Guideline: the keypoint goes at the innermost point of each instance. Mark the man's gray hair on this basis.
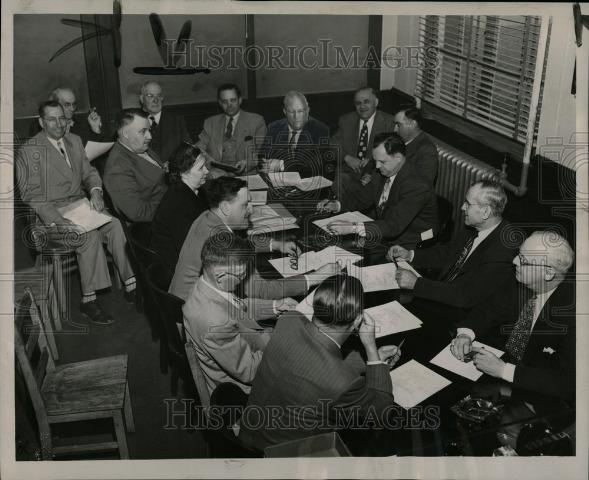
(292, 95)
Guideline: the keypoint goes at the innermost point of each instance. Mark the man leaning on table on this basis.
(403, 203)
(532, 319)
(474, 263)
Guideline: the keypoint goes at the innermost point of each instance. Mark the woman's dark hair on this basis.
(338, 300)
(182, 160)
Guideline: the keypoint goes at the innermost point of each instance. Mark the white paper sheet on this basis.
(95, 149)
(392, 318)
(255, 182)
(343, 217)
(306, 306)
(83, 215)
(284, 179)
(277, 227)
(446, 360)
(313, 260)
(313, 183)
(259, 197)
(413, 383)
(376, 277)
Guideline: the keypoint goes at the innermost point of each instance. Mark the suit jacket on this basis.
(229, 343)
(169, 134)
(348, 133)
(303, 371)
(423, 154)
(548, 364)
(46, 182)
(174, 216)
(135, 185)
(410, 209)
(487, 268)
(313, 154)
(249, 126)
(260, 292)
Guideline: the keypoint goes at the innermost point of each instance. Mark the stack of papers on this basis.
(255, 182)
(313, 260)
(446, 360)
(353, 217)
(96, 149)
(293, 179)
(81, 213)
(271, 218)
(259, 197)
(413, 383)
(313, 183)
(392, 318)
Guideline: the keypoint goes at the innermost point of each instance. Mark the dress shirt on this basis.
(360, 228)
(156, 117)
(229, 296)
(509, 368)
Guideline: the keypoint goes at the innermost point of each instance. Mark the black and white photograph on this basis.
(251, 239)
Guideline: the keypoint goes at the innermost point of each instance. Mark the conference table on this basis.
(489, 423)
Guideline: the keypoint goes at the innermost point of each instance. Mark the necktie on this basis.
(292, 144)
(63, 154)
(520, 335)
(153, 126)
(363, 142)
(384, 196)
(229, 129)
(455, 270)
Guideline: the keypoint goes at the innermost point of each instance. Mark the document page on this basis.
(392, 318)
(354, 217)
(284, 179)
(96, 149)
(255, 182)
(81, 213)
(446, 360)
(313, 260)
(413, 383)
(313, 183)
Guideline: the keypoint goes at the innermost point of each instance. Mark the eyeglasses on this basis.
(55, 119)
(239, 276)
(468, 204)
(524, 263)
(296, 112)
(151, 96)
(73, 105)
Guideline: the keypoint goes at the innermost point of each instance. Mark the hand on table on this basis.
(270, 165)
(285, 304)
(390, 354)
(342, 227)
(461, 346)
(405, 278)
(240, 166)
(327, 206)
(288, 247)
(326, 271)
(488, 362)
(398, 252)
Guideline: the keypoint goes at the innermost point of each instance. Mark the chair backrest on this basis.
(198, 376)
(33, 356)
(138, 237)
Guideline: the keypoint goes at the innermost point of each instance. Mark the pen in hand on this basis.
(390, 360)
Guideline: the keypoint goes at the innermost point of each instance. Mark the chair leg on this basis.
(54, 305)
(44, 320)
(120, 434)
(129, 421)
(59, 286)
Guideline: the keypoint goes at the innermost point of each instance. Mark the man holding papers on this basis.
(532, 319)
(403, 203)
(305, 386)
(54, 172)
(473, 264)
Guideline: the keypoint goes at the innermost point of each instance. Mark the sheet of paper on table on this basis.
(313, 260)
(413, 383)
(354, 217)
(313, 183)
(392, 318)
(271, 218)
(446, 360)
(96, 149)
(255, 182)
(376, 277)
(81, 213)
(284, 179)
(306, 305)
(259, 197)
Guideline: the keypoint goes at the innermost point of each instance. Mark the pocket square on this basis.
(549, 350)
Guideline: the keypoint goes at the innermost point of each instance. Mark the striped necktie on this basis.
(229, 129)
(384, 196)
(520, 335)
(455, 270)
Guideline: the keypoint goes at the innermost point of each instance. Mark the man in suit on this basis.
(421, 152)
(234, 136)
(404, 204)
(298, 143)
(473, 264)
(355, 136)
(531, 319)
(134, 175)
(54, 172)
(228, 341)
(167, 129)
(229, 211)
(304, 385)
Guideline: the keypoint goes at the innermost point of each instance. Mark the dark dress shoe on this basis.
(95, 314)
(130, 297)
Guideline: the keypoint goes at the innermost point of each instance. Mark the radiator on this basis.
(457, 171)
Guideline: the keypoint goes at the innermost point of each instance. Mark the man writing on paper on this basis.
(305, 386)
(230, 210)
(473, 264)
(533, 319)
(402, 202)
(234, 136)
(54, 172)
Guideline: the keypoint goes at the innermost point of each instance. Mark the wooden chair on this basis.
(198, 377)
(72, 392)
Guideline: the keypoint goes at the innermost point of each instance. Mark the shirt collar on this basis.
(329, 336)
(226, 295)
(235, 118)
(157, 116)
(482, 234)
(369, 122)
(54, 142)
(189, 187)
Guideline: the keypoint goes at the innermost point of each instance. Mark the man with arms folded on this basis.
(473, 264)
(234, 136)
(531, 319)
(402, 202)
(134, 175)
(228, 341)
(229, 210)
(303, 368)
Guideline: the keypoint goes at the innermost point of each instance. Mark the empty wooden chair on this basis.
(72, 392)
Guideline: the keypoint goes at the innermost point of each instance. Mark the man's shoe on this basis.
(130, 297)
(95, 314)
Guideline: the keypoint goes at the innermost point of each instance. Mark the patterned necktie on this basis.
(520, 335)
(229, 129)
(63, 154)
(455, 270)
(292, 144)
(363, 142)
(153, 127)
(384, 196)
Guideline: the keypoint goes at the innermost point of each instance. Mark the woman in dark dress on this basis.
(181, 204)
